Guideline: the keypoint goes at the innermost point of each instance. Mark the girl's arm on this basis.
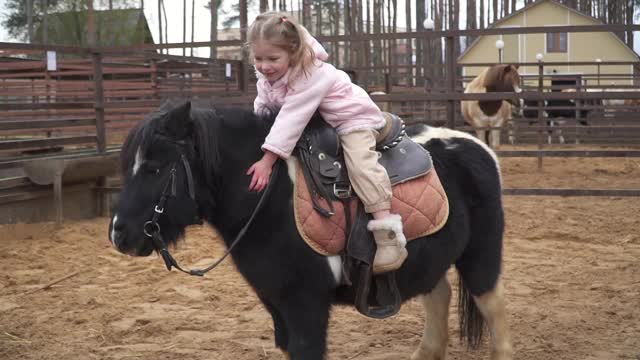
(300, 104)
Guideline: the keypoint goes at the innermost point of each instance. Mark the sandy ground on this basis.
(572, 278)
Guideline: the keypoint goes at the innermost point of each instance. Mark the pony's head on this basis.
(503, 78)
(165, 166)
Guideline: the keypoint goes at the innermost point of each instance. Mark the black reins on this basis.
(151, 228)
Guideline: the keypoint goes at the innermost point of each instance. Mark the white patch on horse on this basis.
(292, 164)
(138, 162)
(113, 232)
(335, 263)
(444, 134)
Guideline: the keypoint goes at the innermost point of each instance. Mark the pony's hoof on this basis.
(422, 354)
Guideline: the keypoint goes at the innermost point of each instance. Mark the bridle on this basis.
(151, 228)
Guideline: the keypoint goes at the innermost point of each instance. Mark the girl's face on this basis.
(271, 61)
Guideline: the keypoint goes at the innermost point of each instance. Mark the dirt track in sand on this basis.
(572, 278)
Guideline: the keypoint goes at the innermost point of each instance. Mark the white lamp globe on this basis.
(539, 56)
(499, 44)
(428, 24)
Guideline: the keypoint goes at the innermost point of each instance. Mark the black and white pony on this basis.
(197, 159)
(556, 113)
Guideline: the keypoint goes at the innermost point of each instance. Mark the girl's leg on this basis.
(371, 183)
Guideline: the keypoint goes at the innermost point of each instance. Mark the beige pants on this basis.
(368, 178)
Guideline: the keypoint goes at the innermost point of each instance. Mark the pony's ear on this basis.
(179, 123)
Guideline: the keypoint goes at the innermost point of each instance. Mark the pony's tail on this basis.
(470, 319)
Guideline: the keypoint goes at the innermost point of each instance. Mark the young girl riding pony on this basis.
(293, 75)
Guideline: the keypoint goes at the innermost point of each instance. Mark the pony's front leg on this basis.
(482, 135)
(306, 319)
(279, 327)
(494, 138)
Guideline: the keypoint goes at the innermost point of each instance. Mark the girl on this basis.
(292, 75)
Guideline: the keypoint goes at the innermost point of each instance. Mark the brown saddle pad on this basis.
(421, 202)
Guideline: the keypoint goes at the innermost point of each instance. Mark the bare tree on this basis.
(91, 24)
(471, 19)
(160, 24)
(29, 9)
(45, 27)
(193, 17)
(408, 43)
(306, 13)
(495, 11)
(213, 34)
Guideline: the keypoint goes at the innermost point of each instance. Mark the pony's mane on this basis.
(207, 125)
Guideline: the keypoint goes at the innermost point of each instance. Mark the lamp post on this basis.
(428, 25)
(499, 46)
(540, 57)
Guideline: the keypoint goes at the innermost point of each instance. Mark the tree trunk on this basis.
(213, 33)
(306, 13)
(438, 50)
(29, 9)
(111, 34)
(318, 21)
(193, 16)
(377, 30)
(408, 46)
(471, 20)
(495, 11)
(166, 34)
(91, 25)
(629, 21)
(160, 24)
(482, 11)
(45, 26)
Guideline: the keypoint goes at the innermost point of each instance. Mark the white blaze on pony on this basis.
(138, 162)
(491, 114)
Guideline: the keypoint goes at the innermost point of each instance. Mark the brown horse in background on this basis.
(491, 114)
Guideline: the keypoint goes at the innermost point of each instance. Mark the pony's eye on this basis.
(151, 168)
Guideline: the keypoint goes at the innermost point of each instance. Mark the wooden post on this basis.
(244, 76)
(57, 194)
(99, 102)
(451, 81)
(154, 78)
(387, 83)
(540, 108)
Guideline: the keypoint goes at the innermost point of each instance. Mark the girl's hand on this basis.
(261, 171)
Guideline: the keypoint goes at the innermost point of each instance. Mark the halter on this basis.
(151, 228)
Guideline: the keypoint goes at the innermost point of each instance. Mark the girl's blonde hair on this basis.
(284, 32)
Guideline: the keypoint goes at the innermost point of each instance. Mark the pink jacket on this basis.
(344, 105)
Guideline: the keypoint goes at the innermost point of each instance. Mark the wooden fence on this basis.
(86, 105)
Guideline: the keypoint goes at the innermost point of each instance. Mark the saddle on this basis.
(325, 174)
